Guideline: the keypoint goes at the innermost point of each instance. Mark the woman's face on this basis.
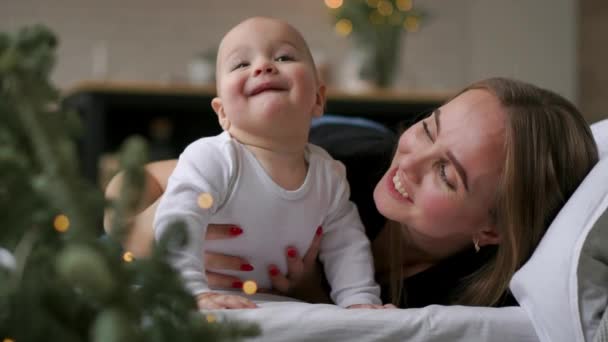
(444, 176)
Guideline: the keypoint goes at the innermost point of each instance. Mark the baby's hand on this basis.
(214, 300)
(365, 306)
(371, 306)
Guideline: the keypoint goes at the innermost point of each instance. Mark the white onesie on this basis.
(272, 218)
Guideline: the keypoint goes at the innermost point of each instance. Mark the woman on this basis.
(469, 193)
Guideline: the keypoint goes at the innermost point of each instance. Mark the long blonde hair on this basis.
(549, 151)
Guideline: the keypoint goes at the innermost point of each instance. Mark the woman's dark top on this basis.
(366, 149)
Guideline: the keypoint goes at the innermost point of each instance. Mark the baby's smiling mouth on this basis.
(267, 86)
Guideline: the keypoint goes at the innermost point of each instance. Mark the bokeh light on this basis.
(205, 200)
(6, 339)
(385, 8)
(333, 4)
(405, 5)
(344, 27)
(211, 318)
(61, 223)
(411, 24)
(250, 287)
(128, 257)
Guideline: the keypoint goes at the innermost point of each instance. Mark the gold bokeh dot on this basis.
(411, 24)
(205, 200)
(385, 8)
(344, 27)
(211, 318)
(128, 257)
(404, 5)
(61, 223)
(333, 4)
(6, 339)
(250, 287)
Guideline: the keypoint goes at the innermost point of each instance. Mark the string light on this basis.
(250, 287)
(128, 257)
(205, 200)
(333, 4)
(344, 27)
(411, 24)
(404, 5)
(61, 223)
(385, 8)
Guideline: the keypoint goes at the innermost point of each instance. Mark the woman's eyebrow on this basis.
(459, 169)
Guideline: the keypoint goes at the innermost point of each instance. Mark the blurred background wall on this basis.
(462, 41)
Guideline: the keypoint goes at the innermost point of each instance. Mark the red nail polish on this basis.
(274, 271)
(246, 267)
(291, 252)
(237, 284)
(319, 230)
(235, 231)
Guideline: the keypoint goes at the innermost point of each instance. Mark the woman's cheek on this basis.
(436, 207)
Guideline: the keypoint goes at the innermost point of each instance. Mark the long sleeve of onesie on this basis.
(204, 169)
(345, 250)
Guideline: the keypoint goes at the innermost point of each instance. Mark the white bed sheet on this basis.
(296, 321)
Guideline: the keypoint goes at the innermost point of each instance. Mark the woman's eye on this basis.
(284, 58)
(444, 176)
(240, 65)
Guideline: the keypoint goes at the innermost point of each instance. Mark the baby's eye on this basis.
(240, 65)
(284, 58)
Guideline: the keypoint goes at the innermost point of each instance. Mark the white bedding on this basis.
(296, 321)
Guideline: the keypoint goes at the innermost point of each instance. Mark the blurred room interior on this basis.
(153, 60)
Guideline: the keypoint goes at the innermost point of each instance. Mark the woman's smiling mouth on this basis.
(396, 187)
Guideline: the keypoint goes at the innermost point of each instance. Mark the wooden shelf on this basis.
(135, 87)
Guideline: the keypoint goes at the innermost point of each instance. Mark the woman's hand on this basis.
(224, 262)
(304, 279)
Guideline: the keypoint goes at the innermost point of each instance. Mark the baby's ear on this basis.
(319, 107)
(216, 103)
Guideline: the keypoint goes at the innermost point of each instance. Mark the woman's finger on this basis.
(295, 266)
(226, 262)
(313, 251)
(278, 280)
(222, 231)
(223, 281)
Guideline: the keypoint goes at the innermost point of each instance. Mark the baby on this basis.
(262, 173)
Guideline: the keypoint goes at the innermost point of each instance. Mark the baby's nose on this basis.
(265, 68)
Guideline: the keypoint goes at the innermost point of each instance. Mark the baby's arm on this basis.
(346, 253)
(198, 185)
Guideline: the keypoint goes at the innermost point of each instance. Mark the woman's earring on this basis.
(476, 243)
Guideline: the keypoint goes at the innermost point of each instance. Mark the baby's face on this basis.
(266, 81)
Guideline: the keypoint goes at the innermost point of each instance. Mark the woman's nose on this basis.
(416, 164)
(265, 68)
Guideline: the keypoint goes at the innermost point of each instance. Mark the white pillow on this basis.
(547, 286)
